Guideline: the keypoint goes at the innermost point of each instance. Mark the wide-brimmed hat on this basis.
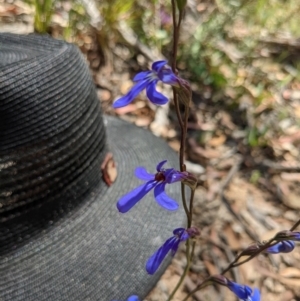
(61, 235)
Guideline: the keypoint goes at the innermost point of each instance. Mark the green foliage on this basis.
(114, 11)
(43, 13)
(255, 176)
(77, 19)
(228, 52)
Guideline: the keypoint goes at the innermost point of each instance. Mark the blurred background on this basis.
(242, 58)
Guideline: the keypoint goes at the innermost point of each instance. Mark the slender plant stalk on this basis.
(187, 267)
(191, 207)
(295, 226)
(183, 128)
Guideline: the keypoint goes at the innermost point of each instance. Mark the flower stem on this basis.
(187, 267)
(183, 128)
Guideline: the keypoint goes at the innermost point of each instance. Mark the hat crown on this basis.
(52, 136)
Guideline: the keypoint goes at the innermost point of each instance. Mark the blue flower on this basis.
(281, 247)
(148, 80)
(158, 181)
(133, 298)
(244, 292)
(171, 244)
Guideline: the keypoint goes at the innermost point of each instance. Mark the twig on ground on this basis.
(281, 167)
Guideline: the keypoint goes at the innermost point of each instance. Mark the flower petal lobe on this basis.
(157, 258)
(163, 199)
(142, 174)
(131, 95)
(130, 199)
(155, 96)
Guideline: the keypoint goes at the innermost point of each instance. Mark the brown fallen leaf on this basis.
(128, 109)
(290, 272)
(290, 176)
(288, 197)
(217, 141)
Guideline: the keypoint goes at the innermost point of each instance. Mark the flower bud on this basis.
(219, 279)
(252, 249)
(190, 180)
(193, 232)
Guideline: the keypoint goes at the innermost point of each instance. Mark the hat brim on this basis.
(95, 252)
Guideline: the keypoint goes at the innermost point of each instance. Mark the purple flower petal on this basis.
(242, 291)
(167, 76)
(281, 247)
(156, 66)
(141, 75)
(295, 236)
(157, 258)
(160, 165)
(142, 174)
(182, 234)
(163, 199)
(178, 231)
(255, 295)
(155, 96)
(168, 174)
(130, 199)
(175, 176)
(131, 95)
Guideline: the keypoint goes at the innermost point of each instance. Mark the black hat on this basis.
(61, 235)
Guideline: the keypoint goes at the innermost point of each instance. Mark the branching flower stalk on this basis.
(254, 250)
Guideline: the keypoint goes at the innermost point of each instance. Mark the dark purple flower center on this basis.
(160, 177)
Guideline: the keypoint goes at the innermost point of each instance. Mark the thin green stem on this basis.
(205, 283)
(188, 214)
(187, 267)
(235, 263)
(191, 207)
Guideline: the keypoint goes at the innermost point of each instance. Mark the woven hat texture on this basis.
(61, 235)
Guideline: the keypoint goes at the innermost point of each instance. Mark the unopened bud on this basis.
(190, 180)
(220, 279)
(193, 232)
(252, 249)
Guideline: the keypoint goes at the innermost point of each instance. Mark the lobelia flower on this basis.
(244, 292)
(158, 181)
(171, 244)
(285, 246)
(148, 80)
